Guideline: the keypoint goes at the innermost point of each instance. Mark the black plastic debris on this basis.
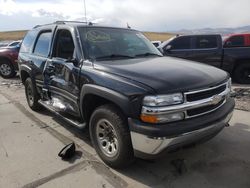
(179, 165)
(67, 151)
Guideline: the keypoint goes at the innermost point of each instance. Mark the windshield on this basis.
(109, 43)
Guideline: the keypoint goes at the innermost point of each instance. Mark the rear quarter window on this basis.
(206, 42)
(28, 41)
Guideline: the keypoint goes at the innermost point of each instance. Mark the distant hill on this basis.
(12, 35)
(222, 31)
(16, 35)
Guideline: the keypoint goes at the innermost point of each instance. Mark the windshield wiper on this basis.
(147, 54)
(111, 56)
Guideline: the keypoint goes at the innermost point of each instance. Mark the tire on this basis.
(242, 74)
(107, 122)
(32, 95)
(7, 70)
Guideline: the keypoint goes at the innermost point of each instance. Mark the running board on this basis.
(70, 121)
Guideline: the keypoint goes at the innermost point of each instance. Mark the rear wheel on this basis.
(111, 137)
(7, 70)
(242, 74)
(32, 95)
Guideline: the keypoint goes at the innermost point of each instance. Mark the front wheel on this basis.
(242, 74)
(111, 137)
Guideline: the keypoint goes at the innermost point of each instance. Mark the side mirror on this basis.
(228, 44)
(168, 48)
(72, 60)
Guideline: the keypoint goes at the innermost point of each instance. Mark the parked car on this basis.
(8, 64)
(4, 43)
(208, 49)
(116, 84)
(156, 43)
(15, 44)
(237, 40)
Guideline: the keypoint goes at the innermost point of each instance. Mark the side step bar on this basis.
(70, 121)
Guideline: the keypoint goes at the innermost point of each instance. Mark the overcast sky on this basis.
(146, 15)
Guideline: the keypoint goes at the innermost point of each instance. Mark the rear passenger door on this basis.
(208, 49)
(179, 47)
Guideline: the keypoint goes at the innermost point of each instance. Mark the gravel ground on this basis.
(242, 98)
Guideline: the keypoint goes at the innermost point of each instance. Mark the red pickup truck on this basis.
(237, 40)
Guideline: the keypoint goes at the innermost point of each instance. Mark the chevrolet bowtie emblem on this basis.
(216, 99)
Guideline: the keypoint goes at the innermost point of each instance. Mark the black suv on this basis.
(113, 81)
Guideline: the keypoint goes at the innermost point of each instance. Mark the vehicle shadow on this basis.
(223, 161)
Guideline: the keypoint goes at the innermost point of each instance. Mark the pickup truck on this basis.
(233, 58)
(116, 84)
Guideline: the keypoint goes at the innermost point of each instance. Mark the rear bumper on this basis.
(148, 145)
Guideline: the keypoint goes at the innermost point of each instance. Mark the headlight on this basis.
(229, 84)
(163, 100)
(153, 102)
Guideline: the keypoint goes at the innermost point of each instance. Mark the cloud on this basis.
(160, 15)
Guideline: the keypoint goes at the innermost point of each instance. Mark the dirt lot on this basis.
(30, 141)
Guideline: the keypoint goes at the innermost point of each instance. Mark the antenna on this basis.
(128, 26)
(85, 11)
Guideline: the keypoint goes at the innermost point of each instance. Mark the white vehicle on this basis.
(156, 43)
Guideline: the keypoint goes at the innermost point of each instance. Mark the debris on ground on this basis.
(242, 98)
(68, 151)
(179, 165)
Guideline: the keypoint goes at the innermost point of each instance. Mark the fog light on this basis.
(162, 118)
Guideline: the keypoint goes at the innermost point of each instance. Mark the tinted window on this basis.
(206, 42)
(235, 41)
(181, 43)
(42, 44)
(28, 41)
(64, 46)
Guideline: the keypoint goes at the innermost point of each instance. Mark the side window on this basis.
(181, 43)
(206, 42)
(28, 41)
(235, 41)
(43, 44)
(64, 46)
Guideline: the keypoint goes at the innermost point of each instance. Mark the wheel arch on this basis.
(5, 58)
(93, 96)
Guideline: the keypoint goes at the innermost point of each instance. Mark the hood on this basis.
(165, 74)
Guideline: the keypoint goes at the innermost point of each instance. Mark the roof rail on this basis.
(64, 22)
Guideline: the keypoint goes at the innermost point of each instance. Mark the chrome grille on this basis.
(216, 94)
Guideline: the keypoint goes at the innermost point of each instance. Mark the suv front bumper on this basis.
(150, 141)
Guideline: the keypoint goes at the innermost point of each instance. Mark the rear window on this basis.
(235, 41)
(206, 42)
(28, 41)
(181, 43)
(43, 44)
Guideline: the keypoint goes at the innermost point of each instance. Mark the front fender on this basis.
(120, 100)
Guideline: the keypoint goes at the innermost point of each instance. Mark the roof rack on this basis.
(64, 22)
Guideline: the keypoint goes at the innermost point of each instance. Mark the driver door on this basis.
(62, 74)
